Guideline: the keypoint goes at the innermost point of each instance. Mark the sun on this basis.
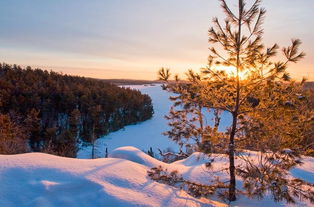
(232, 71)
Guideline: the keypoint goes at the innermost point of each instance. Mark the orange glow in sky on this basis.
(133, 39)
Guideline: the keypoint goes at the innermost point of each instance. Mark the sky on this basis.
(134, 38)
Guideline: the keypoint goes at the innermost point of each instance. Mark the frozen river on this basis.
(146, 134)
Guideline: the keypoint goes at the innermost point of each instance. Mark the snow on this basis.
(38, 179)
(135, 155)
(306, 170)
(196, 158)
(146, 134)
(142, 135)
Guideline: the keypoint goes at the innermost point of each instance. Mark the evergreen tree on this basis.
(96, 117)
(50, 137)
(258, 88)
(12, 137)
(64, 102)
(150, 152)
(74, 123)
(187, 120)
(32, 123)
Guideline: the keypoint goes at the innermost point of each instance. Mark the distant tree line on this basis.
(131, 82)
(51, 112)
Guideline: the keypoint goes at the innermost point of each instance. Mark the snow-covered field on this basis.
(146, 134)
(37, 179)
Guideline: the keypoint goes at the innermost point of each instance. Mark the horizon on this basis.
(133, 40)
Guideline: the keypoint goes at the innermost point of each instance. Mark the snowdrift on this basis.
(135, 155)
(37, 179)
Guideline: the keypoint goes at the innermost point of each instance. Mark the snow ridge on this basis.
(38, 179)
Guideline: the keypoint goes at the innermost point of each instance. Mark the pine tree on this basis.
(257, 87)
(32, 123)
(150, 152)
(13, 139)
(106, 153)
(74, 123)
(187, 119)
(25, 92)
(96, 125)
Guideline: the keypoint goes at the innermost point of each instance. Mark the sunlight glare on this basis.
(231, 71)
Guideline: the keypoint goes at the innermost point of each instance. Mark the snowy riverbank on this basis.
(146, 134)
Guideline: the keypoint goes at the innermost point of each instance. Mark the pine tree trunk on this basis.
(232, 185)
(93, 150)
(93, 143)
(200, 119)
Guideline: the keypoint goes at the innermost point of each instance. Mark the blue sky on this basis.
(134, 38)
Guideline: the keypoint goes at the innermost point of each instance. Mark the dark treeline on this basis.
(52, 111)
(130, 81)
(309, 85)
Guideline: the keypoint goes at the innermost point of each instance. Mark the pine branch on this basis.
(228, 12)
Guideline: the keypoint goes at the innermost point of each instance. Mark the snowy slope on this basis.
(38, 179)
(146, 134)
(193, 169)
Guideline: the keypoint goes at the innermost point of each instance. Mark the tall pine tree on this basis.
(243, 78)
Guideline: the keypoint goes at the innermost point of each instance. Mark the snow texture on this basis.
(37, 179)
(146, 134)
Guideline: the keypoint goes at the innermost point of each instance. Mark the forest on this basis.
(51, 112)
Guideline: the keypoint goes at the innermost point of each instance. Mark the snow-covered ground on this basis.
(37, 179)
(146, 134)
(43, 180)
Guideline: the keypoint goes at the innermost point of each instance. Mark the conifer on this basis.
(244, 79)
